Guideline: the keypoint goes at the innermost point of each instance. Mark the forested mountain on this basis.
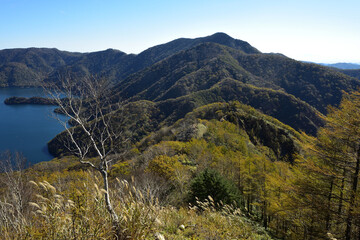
(217, 68)
(180, 67)
(203, 66)
(352, 73)
(116, 65)
(157, 53)
(202, 138)
(141, 118)
(184, 74)
(25, 67)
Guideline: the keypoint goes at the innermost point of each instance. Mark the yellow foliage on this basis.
(120, 169)
(164, 166)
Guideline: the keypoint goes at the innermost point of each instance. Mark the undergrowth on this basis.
(73, 209)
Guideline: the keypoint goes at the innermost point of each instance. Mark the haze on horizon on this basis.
(317, 31)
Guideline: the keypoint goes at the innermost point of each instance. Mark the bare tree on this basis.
(14, 200)
(86, 103)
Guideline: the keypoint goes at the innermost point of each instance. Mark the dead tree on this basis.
(85, 102)
(14, 200)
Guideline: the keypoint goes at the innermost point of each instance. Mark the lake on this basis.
(27, 128)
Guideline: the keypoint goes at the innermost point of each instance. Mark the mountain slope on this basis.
(282, 106)
(319, 86)
(141, 118)
(144, 118)
(352, 73)
(160, 52)
(194, 72)
(121, 65)
(203, 66)
(24, 67)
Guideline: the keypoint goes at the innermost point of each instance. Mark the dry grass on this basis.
(78, 212)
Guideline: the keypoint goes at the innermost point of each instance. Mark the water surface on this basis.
(27, 128)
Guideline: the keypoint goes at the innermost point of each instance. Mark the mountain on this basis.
(24, 67)
(342, 65)
(146, 123)
(160, 52)
(188, 73)
(140, 118)
(278, 104)
(351, 72)
(214, 57)
(178, 110)
(204, 65)
(260, 129)
(282, 106)
(116, 65)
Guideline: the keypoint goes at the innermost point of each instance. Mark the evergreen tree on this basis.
(211, 183)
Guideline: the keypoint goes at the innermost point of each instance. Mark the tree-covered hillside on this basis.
(204, 138)
(203, 66)
(244, 174)
(26, 67)
(352, 73)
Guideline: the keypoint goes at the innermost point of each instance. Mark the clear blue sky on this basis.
(313, 30)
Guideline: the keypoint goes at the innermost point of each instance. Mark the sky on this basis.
(307, 30)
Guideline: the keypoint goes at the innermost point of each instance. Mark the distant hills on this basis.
(342, 65)
(181, 75)
(352, 73)
(350, 69)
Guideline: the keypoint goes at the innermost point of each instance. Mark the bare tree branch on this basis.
(85, 102)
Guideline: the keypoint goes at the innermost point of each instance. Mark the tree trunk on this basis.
(109, 207)
(328, 214)
(352, 197)
(265, 217)
(341, 193)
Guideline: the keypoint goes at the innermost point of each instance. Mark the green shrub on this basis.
(211, 183)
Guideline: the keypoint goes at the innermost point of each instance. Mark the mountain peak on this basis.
(221, 35)
(224, 39)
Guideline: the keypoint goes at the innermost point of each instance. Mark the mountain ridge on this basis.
(110, 63)
(193, 67)
(206, 64)
(342, 65)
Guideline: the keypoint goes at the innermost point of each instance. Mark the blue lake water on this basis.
(27, 128)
